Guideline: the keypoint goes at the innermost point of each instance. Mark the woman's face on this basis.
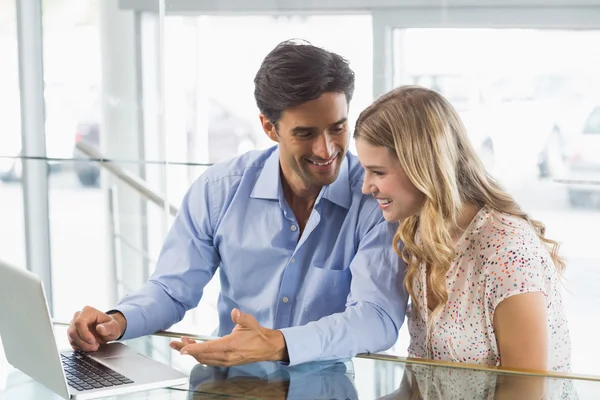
(386, 180)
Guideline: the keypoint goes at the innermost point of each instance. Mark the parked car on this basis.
(584, 163)
(228, 135)
(565, 127)
(566, 99)
(521, 118)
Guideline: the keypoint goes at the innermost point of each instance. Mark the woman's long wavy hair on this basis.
(427, 136)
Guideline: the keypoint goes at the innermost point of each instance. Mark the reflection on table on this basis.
(364, 377)
(437, 382)
(334, 380)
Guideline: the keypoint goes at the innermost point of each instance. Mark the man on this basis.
(306, 263)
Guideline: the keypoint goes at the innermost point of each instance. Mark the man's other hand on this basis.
(249, 342)
(90, 328)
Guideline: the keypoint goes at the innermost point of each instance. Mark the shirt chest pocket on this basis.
(326, 291)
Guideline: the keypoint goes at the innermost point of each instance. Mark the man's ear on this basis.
(269, 128)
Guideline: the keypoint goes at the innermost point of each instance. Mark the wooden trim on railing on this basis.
(478, 367)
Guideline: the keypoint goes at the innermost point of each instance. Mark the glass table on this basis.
(382, 376)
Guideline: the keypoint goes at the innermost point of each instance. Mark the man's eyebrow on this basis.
(341, 121)
(302, 129)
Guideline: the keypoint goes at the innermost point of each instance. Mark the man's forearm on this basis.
(149, 310)
(361, 328)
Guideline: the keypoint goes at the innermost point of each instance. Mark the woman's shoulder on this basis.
(497, 232)
(512, 257)
(506, 244)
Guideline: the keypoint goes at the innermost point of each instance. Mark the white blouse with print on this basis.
(498, 256)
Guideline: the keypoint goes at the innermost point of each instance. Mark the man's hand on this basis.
(244, 387)
(249, 342)
(90, 328)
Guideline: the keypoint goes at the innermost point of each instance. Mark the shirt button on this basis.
(285, 299)
(293, 260)
(293, 228)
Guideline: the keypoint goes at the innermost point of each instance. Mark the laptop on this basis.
(30, 346)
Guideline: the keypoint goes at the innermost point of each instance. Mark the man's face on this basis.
(313, 140)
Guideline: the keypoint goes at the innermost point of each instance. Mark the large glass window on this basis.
(137, 107)
(12, 227)
(78, 208)
(529, 100)
(210, 63)
(592, 124)
(211, 114)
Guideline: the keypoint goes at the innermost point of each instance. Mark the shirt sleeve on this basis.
(520, 265)
(187, 262)
(374, 312)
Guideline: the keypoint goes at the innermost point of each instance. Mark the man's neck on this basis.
(299, 197)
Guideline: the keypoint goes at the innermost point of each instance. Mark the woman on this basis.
(482, 277)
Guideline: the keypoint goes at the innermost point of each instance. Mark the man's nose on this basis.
(324, 147)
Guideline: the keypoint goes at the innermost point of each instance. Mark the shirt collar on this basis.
(268, 185)
(339, 191)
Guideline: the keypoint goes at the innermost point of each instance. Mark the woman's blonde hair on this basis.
(425, 133)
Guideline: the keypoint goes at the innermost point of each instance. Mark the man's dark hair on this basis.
(296, 72)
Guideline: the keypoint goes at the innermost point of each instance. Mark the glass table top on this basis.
(371, 377)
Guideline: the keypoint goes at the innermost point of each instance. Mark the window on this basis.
(592, 125)
(525, 111)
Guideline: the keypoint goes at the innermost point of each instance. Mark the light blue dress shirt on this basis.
(334, 292)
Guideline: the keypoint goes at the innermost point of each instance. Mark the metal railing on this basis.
(140, 187)
(130, 179)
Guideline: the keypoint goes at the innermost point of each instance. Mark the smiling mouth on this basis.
(384, 201)
(323, 164)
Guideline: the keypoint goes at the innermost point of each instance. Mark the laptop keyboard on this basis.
(83, 373)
